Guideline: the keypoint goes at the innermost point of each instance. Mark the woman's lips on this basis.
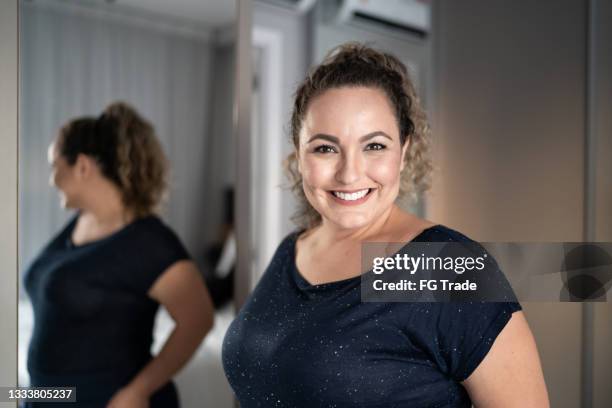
(355, 197)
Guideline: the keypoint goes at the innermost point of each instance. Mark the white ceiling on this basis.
(213, 13)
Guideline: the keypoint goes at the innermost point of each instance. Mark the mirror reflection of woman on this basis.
(96, 287)
(304, 338)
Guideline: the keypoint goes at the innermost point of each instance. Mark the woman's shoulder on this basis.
(408, 227)
(284, 255)
(286, 248)
(443, 233)
(152, 223)
(154, 231)
(457, 242)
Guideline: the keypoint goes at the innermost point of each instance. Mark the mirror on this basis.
(174, 63)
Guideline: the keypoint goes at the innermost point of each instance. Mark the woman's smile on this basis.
(351, 197)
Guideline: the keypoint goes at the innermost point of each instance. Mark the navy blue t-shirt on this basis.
(299, 345)
(93, 319)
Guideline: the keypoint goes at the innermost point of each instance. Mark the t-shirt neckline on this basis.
(71, 245)
(305, 285)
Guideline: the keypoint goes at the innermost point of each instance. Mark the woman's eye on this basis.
(325, 149)
(375, 146)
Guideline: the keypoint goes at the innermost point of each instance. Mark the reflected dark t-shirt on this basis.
(299, 345)
(93, 320)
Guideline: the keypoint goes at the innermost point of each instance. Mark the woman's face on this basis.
(350, 156)
(63, 177)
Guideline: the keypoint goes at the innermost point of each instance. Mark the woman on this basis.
(304, 338)
(96, 287)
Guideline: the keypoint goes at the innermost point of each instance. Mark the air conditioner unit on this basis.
(299, 6)
(411, 16)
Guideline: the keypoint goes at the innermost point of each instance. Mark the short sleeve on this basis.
(157, 248)
(466, 331)
(465, 328)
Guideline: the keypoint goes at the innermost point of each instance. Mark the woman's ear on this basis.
(404, 153)
(83, 166)
(297, 159)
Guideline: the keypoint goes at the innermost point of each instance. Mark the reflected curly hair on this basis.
(355, 65)
(127, 151)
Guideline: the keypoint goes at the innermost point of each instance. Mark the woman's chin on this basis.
(351, 221)
(66, 203)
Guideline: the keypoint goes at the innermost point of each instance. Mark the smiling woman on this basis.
(350, 178)
(397, 121)
(304, 334)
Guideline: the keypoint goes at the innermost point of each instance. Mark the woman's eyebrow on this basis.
(323, 136)
(373, 135)
(335, 140)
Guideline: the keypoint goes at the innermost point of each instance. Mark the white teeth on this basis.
(352, 196)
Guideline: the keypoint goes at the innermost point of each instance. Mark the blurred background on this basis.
(518, 94)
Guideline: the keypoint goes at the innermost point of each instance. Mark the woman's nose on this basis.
(349, 170)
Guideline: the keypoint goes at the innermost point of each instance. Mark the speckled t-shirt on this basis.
(299, 345)
(93, 318)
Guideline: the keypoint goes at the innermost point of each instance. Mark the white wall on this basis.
(8, 186)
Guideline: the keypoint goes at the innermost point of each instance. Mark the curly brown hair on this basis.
(351, 65)
(127, 151)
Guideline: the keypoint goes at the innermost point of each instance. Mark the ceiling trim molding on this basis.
(127, 15)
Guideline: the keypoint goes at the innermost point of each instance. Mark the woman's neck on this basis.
(330, 232)
(105, 207)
